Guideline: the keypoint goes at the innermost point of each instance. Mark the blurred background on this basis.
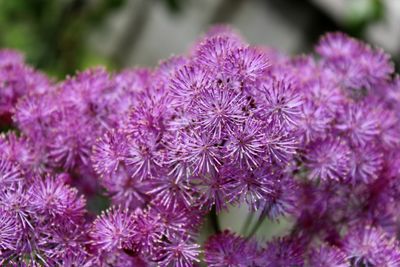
(63, 36)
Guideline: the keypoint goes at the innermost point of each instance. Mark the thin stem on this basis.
(247, 223)
(259, 222)
(214, 220)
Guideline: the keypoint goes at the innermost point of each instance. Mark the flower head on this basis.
(202, 152)
(328, 159)
(280, 103)
(55, 200)
(283, 252)
(10, 175)
(246, 145)
(188, 84)
(326, 256)
(369, 245)
(246, 64)
(112, 230)
(10, 231)
(178, 251)
(228, 249)
(109, 152)
(359, 123)
(213, 51)
(171, 192)
(9, 56)
(219, 112)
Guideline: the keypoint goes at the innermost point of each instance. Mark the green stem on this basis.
(214, 220)
(260, 221)
(247, 223)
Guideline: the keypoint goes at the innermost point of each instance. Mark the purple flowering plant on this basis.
(312, 140)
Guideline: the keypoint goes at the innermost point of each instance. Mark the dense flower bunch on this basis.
(313, 139)
(16, 80)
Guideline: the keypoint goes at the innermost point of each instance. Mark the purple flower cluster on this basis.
(40, 219)
(311, 138)
(16, 80)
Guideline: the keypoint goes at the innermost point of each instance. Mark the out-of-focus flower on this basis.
(283, 252)
(328, 257)
(369, 245)
(328, 159)
(228, 249)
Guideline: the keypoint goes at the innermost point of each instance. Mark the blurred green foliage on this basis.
(174, 5)
(360, 13)
(53, 33)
